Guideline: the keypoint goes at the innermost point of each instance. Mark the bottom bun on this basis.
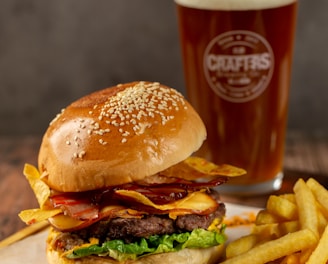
(191, 256)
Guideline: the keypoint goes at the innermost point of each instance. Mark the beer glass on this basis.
(237, 57)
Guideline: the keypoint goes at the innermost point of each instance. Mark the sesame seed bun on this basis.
(119, 135)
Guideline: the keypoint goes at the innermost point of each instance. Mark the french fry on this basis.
(289, 227)
(264, 217)
(289, 196)
(307, 209)
(322, 221)
(241, 245)
(322, 210)
(305, 254)
(266, 232)
(275, 249)
(320, 253)
(25, 232)
(320, 193)
(291, 259)
(282, 207)
(275, 230)
(292, 229)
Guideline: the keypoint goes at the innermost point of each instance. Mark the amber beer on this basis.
(237, 57)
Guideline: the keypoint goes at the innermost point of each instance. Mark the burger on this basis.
(117, 182)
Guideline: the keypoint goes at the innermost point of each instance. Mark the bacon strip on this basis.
(86, 205)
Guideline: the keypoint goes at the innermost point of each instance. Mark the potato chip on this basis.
(194, 168)
(32, 216)
(40, 188)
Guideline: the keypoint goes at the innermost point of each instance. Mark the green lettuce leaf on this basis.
(117, 249)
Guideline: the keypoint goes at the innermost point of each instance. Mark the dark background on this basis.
(53, 52)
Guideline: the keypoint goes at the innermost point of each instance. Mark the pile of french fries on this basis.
(292, 229)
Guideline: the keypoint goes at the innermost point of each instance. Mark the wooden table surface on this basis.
(306, 156)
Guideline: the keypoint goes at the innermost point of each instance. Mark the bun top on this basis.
(119, 135)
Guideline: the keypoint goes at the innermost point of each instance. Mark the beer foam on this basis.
(234, 4)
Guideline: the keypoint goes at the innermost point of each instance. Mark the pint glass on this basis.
(237, 57)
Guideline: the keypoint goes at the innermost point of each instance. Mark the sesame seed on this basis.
(102, 142)
(57, 116)
(81, 154)
(99, 132)
(126, 133)
(133, 110)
